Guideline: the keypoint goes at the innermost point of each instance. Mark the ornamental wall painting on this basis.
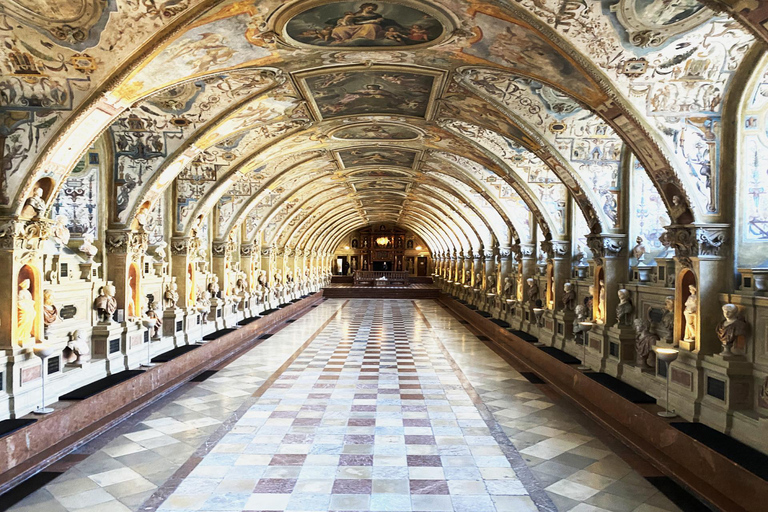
(376, 131)
(78, 199)
(347, 93)
(377, 156)
(363, 24)
(648, 213)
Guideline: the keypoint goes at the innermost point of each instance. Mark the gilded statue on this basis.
(691, 314)
(26, 312)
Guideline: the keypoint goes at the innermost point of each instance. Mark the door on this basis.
(421, 267)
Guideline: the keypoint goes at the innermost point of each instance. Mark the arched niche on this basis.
(598, 300)
(28, 306)
(37, 200)
(685, 279)
(133, 289)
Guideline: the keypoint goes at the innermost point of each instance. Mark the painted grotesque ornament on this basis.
(731, 328)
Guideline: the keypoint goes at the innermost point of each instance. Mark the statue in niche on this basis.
(26, 312)
(508, 287)
(668, 319)
(625, 308)
(644, 341)
(691, 314)
(131, 307)
(601, 303)
(569, 297)
(153, 320)
(478, 280)
(60, 231)
(354, 243)
(213, 286)
(36, 203)
(78, 350)
(639, 250)
(171, 295)
(533, 290)
(731, 329)
(203, 305)
(50, 311)
(581, 316)
(468, 277)
(88, 248)
(106, 304)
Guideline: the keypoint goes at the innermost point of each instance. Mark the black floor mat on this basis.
(482, 337)
(26, 488)
(561, 356)
(743, 455)
(218, 334)
(264, 336)
(623, 389)
(472, 307)
(248, 320)
(267, 312)
(8, 427)
(204, 375)
(100, 385)
(290, 320)
(532, 378)
(524, 336)
(284, 305)
(294, 301)
(484, 314)
(684, 500)
(461, 301)
(173, 354)
(500, 323)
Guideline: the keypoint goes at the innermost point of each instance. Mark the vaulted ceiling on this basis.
(292, 123)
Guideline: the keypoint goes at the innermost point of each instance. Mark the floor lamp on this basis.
(42, 351)
(585, 328)
(668, 355)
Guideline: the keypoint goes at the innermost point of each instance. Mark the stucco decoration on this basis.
(376, 131)
(653, 22)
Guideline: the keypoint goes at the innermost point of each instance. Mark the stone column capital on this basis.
(246, 250)
(125, 241)
(606, 246)
(703, 241)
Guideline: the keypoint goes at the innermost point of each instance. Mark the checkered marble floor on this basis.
(358, 405)
(371, 416)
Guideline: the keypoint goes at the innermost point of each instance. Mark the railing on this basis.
(393, 277)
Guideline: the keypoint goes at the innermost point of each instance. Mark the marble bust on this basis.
(569, 297)
(106, 303)
(731, 328)
(533, 290)
(644, 342)
(625, 308)
(78, 350)
(639, 250)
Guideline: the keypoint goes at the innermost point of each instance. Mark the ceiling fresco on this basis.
(483, 122)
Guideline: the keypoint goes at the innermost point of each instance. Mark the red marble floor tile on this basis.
(432, 461)
(429, 487)
(275, 486)
(355, 460)
(419, 439)
(288, 459)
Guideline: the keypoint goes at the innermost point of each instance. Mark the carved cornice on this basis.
(246, 250)
(180, 246)
(606, 246)
(703, 241)
(24, 235)
(527, 251)
(126, 242)
(219, 249)
(560, 249)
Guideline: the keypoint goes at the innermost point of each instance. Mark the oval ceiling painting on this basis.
(376, 131)
(364, 24)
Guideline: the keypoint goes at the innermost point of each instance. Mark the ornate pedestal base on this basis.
(620, 347)
(106, 342)
(217, 313)
(173, 325)
(727, 388)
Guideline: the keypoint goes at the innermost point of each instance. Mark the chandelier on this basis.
(382, 241)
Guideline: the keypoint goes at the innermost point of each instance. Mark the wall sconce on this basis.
(668, 355)
(585, 328)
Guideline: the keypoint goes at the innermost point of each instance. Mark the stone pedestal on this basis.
(597, 347)
(217, 313)
(620, 348)
(563, 327)
(135, 336)
(727, 383)
(173, 325)
(106, 343)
